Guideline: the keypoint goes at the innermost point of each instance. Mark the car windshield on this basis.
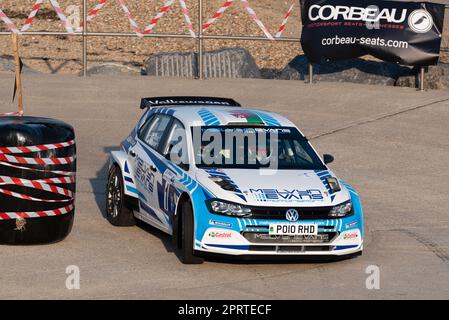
(253, 148)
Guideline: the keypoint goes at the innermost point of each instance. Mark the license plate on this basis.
(293, 229)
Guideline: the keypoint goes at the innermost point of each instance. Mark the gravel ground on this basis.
(62, 54)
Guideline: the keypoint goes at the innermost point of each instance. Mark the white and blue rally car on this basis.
(229, 180)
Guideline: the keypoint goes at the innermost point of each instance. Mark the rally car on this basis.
(223, 179)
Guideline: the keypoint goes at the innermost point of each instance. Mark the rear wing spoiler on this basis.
(187, 101)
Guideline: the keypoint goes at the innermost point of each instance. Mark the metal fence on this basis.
(200, 38)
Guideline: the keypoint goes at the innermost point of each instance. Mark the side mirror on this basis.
(328, 158)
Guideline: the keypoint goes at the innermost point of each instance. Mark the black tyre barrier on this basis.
(37, 180)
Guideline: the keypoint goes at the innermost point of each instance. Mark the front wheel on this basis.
(187, 233)
(116, 211)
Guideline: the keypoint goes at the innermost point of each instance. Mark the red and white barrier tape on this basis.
(131, 20)
(32, 15)
(91, 14)
(37, 214)
(62, 173)
(11, 26)
(218, 14)
(11, 114)
(167, 5)
(284, 22)
(256, 19)
(185, 12)
(46, 184)
(29, 198)
(41, 161)
(134, 26)
(7, 150)
(67, 25)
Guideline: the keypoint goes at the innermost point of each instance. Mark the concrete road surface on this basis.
(391, 144)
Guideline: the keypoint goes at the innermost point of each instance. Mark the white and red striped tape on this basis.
(47, 184)
(7, 150)
(91, 14)
(32, 15)
(62, 173)
(149, 28)
(65, 22)
(218, 14)
(131, 20)
(248, 9)
(256, 19)
(11, 26)
(167, 5)
(284, 22)
(37, 214)
(185, 12)
(18, 113)
(40, 161)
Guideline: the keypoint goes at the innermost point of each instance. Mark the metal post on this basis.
(310, 73)
(85, 38)
(200, 40)
(421, 79)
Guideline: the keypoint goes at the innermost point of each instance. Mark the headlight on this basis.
(228, 208)
(342, 210)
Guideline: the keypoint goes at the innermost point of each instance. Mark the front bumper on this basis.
(236, 236)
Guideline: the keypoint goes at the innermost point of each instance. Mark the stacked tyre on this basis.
(37, 180)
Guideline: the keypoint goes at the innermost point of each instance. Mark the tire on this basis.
(36, 227)
(187, 235)
(117, 213)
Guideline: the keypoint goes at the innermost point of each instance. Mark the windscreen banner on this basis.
(408, 33)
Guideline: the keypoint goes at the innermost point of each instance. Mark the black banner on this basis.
(401, 32)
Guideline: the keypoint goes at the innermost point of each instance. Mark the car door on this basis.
(149, 167)
(173, 150)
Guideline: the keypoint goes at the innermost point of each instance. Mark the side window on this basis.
(152, 132)
(175, 146)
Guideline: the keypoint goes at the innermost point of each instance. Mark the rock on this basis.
(223, 63)
(7, 64)
(351, 70)
(230, 63)
(113, 69)
(172, 64)
(435, 77)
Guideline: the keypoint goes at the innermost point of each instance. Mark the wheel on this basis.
(117, 212)
(187, 237)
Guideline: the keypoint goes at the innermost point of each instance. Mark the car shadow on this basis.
(165, 238)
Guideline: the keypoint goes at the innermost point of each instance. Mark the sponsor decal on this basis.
(352, 235)
(420, 21)
(249, 116)
(284, 195)
(352, 224)
(220, 235)
(353, 13)
(144, 174)
(402, 32)
(220, 223)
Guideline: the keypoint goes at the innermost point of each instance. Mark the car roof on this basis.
(207, 115)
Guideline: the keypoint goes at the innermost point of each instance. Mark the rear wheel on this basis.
(187, 235)
(117, 212)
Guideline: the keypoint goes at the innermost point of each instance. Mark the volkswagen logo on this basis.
(292, 215)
